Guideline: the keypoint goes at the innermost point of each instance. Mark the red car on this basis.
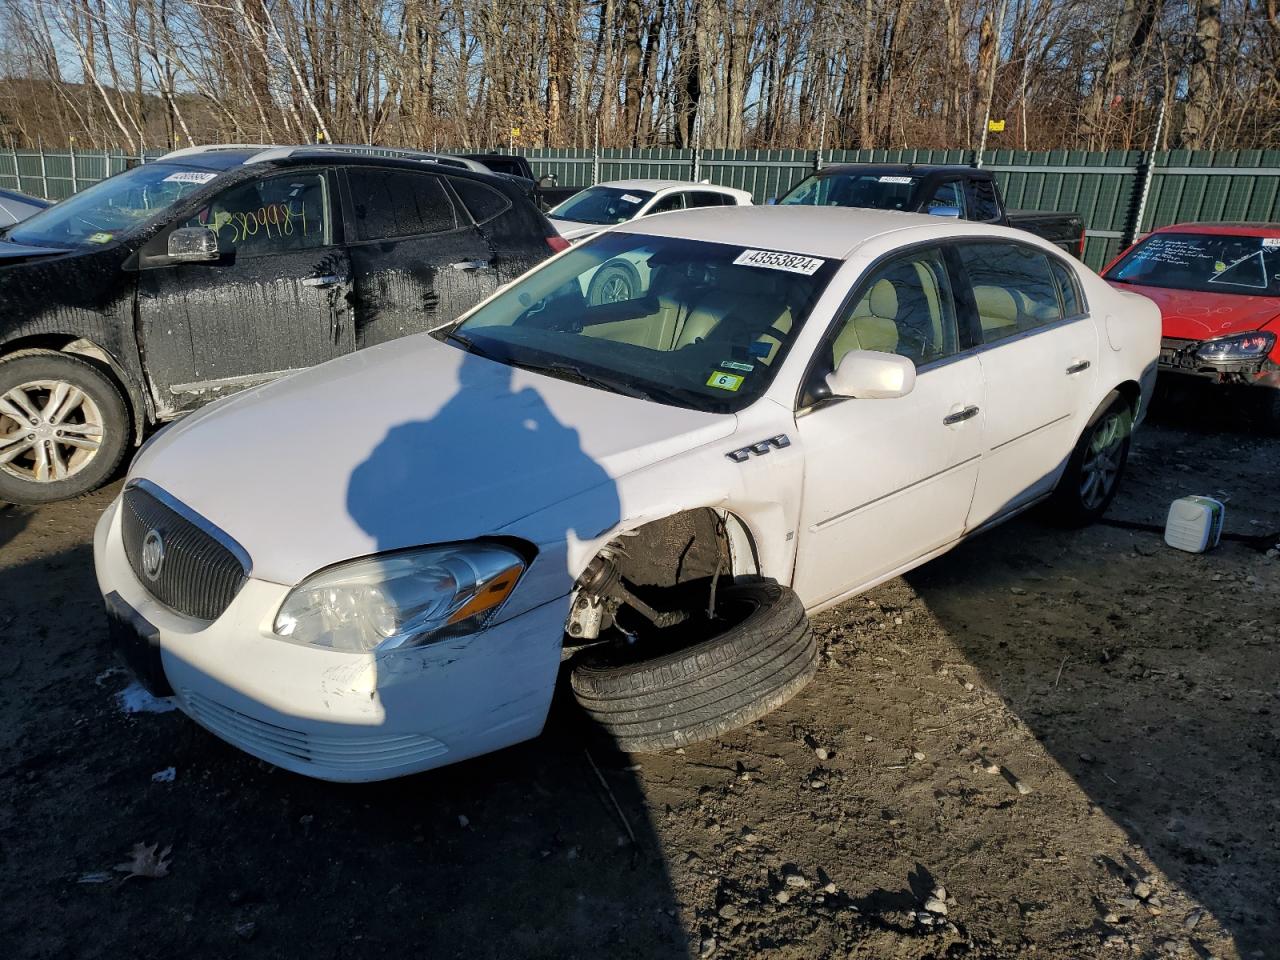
(1218, 289)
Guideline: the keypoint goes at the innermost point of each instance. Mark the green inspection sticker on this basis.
(725, 381)
(99, 237)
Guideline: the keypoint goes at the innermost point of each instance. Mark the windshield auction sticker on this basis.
(790, 262)
(189, 176)
(1270, 243)
(632, 198)
(897, 180)
(725, 381)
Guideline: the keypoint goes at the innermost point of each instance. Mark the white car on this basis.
(594, 209)
(375, 566)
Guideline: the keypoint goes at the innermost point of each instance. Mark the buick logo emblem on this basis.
(152, 554)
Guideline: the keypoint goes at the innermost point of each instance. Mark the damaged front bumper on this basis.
(1181, 357)
(330, 714)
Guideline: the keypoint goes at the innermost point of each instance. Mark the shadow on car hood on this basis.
(17, 252)
(408, 443)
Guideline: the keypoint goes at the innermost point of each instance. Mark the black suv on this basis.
(217, 268)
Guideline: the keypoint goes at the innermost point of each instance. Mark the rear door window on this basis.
(389, 204)
(707, 198)
(1013, 288)
(1072, 302)
(482, 202)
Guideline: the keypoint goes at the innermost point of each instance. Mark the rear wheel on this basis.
(762, 656)
(64, 427)
(613, 283)
(1093, 472)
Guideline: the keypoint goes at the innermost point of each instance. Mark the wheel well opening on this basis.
(661, 570)
(1132, 394)
(135, 404)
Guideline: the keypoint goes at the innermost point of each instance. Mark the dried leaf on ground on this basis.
(145, 862)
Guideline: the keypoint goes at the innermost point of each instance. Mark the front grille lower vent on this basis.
(184, 561)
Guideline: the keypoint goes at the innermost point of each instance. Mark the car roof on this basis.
(1227, 229)
(899, 169)
(655, 185)
(817, 231)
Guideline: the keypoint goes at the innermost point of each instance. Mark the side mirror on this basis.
(872, 375)
(193, 245)
(952, 212)
(550, 180)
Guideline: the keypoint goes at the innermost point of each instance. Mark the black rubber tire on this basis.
(705, 690)
(614, 270)
(28, 365)
(1066, 506)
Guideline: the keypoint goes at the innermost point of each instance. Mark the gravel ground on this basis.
(1046, 743)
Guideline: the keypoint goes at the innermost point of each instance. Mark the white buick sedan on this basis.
(377, 566)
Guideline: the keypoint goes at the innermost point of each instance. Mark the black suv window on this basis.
(1013, 288)
(483, 203)
(398, 203)
(982, 197)
(948, 194)
(272, 215)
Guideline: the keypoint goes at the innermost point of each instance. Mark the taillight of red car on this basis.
(1080, 245)
(557, 243)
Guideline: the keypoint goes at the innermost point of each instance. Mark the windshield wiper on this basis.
(567, 371)
(469, 345)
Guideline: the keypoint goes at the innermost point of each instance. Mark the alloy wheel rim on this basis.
(50, 430)
(1101, 464)
(614, 290)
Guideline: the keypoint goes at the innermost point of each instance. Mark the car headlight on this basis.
(401, 600)
(1244, 346)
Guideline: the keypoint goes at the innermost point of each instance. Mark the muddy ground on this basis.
(1130, 690)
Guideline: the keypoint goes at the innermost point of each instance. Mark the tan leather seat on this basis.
(997, 310)
(873, 324)
(749, 296)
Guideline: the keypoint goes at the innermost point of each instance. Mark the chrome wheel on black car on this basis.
(63, 426)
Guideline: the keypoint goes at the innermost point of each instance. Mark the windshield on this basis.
(873, 191)
(678, 321)
(111, 208)
(602, 205)
(1209, 263)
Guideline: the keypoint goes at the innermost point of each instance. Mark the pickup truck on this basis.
(545, 191)
(965, 193)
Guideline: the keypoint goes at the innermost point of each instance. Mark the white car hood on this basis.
(408, 443)
(574, 230)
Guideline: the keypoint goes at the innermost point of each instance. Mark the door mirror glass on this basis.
(952, 212)
(193, 245)
(872, 375)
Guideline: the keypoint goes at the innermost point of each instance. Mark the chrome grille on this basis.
(200, 568)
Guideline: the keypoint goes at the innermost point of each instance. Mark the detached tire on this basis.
(1093, 472)
(64, 426)
(698, 692)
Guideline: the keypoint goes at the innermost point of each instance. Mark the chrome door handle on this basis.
(968, 413)
(328, 281)
(470, 265)
(1078, 367)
